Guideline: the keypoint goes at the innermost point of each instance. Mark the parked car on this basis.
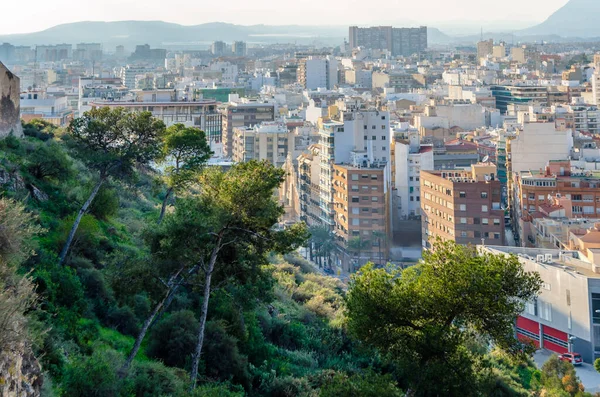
(573, 358)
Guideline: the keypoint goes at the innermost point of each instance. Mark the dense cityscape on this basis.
(390, 212)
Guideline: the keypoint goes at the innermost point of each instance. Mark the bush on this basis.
(153, 379)
(123, 320)
(39, 129)
(288, 386)
(93, 376)
(49, 161)
(221, 356)
(105, 204)
(368, 384)
(173, 339)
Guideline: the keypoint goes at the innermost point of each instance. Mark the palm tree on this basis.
(322, 238)
(381, 238)
(356, 245)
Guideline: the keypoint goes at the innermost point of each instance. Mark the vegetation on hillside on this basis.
(213, 300)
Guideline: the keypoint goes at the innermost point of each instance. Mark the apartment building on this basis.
(410, 157)
(361, 207)
(462, 206)
(318, 72)
(273, 141)
(485, 48)
(518, 94)
(239, 48)
(557, 187)
(566, 314)
(399, 41)
(309, 191)
(165, 105)
(243, 113)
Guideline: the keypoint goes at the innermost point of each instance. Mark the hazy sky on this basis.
(35, 15)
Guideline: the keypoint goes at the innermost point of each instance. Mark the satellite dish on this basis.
(485, 159)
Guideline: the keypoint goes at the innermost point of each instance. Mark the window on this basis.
(374, 138)
(382, 117)
(545, 310)
(383, 137)
(496, 222)
(463, 234)
(497, 236)
(477, 234)
(355, 222)
(462, 194)
(355, 211)
(463, 220)
(531, 196)
(412, 198)
(410, 178)
(373, 127)
(383, 148)
(374, 177)
(355, 177)
(383, 127)
(577, 209)
(354, 188)
(418, 198)
(355, 199)
(576, 197)
(374, 198)
(365, 209)
(484, 194)
(484, 208)
(463, 207)
(531, 308)
(485, 221)
(476, 221)
(541, 197)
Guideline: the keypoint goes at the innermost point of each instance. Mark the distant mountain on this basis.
(577, 18)
(171, 35)
(164, 34)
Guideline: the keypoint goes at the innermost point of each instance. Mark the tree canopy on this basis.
(427, 316)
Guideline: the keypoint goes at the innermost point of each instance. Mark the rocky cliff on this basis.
(10, 109)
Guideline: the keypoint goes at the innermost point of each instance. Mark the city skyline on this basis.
(514, 14)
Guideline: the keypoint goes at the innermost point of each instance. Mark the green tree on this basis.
(185, 151)
(227, 230)
(425, 317)
(322, 239)
(112, 142)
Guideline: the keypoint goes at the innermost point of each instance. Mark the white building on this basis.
(410, 157)
(538, 143)
(318, 72)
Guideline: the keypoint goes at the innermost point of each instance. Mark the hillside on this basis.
(577, 18)
(270, 325)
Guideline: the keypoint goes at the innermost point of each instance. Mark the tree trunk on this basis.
(172, 296)
(82, 211)
(164, 205)
(208, 275)
(171, 287)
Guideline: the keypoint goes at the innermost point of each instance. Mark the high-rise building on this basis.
(361, 208)
(462, 206)
(399, 41)
(239, 48)
(270, 141)
(485, 48)
(518, 94)
(243, 114)
(218, 48)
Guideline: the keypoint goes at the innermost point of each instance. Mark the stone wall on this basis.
(10, 109)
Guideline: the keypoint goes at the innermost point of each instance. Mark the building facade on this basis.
(243, 114)
(462, 206)
(399, 41)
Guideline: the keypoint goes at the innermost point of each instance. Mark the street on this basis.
(586, 372)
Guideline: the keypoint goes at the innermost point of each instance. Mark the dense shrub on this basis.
(105, 204)
(173, 339)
